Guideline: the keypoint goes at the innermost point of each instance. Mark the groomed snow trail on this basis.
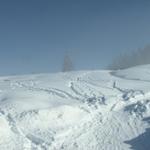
(86, 110)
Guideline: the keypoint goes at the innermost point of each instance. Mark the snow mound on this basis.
(89, 110)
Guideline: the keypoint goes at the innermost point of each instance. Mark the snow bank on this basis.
(89, 110)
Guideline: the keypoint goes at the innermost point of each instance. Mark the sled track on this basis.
(53, 91)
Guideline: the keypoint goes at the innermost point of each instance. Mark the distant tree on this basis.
(67, 64)
(138, 57)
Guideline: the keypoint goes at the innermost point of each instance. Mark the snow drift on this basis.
(86, 110)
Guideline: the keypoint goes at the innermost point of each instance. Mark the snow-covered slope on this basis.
(86, 110)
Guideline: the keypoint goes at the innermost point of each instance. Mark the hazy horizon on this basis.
(35, 35)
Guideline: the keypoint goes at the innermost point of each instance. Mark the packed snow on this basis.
(84, 110)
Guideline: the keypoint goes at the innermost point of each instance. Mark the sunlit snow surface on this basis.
(86, 110)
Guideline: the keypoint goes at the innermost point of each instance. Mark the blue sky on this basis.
(35, 34)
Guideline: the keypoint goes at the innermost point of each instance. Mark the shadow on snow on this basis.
(142, 142)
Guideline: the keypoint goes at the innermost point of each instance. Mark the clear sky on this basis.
(35, 34)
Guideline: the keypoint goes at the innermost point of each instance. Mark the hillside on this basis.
(85, 110)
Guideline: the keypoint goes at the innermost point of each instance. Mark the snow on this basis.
(85, 110)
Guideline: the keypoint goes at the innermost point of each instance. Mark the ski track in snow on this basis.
(92, 111)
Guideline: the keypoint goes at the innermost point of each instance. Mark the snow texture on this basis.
(86, 110)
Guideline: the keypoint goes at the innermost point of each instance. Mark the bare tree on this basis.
(67, 64)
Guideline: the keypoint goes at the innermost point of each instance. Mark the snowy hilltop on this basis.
(85, 110)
